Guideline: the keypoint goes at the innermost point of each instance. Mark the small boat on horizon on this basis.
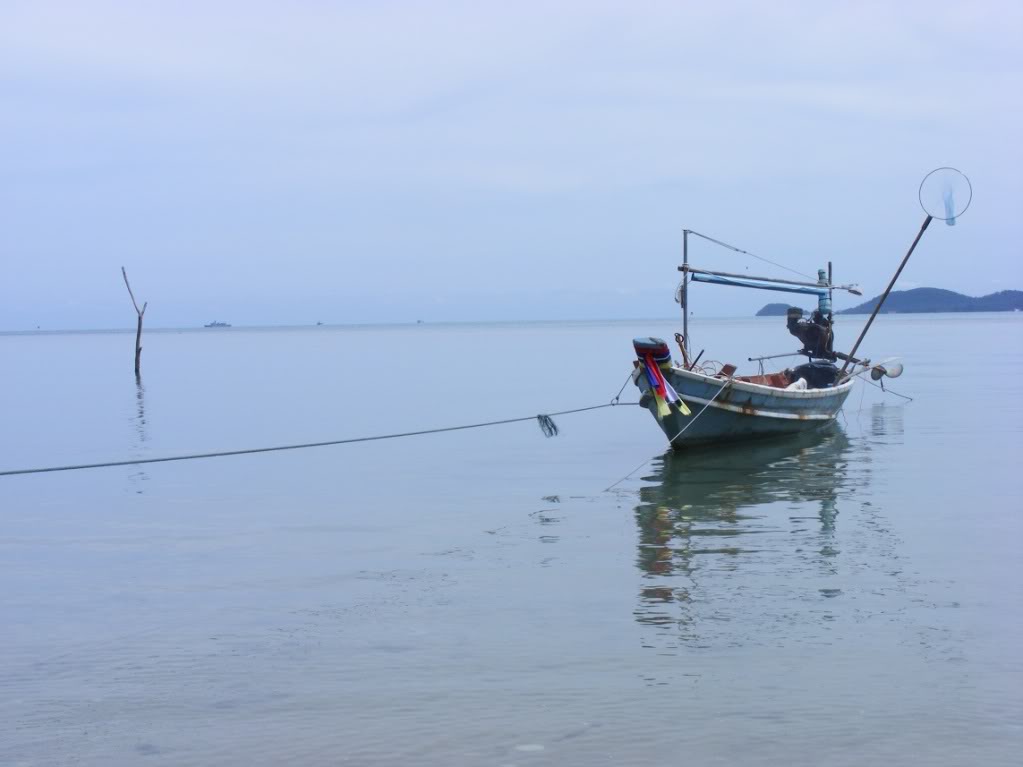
(217, 324)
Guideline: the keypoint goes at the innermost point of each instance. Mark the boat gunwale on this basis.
(762, 389)
(761, 412)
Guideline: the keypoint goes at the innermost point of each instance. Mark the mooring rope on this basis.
(886, 389)
(543, 419)
(614, 399)
(723, 387)
(672, 440)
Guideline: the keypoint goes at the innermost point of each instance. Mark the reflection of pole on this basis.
(685, 289)
(887, 290)
(140, 398)
(140, 428)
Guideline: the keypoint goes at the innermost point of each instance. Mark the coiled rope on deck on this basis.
(544, 420)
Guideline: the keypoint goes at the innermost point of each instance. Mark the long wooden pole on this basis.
(138, 348)
(887, 290)
(831, 311)
(685, 291)
(829, 286)
(138, 331)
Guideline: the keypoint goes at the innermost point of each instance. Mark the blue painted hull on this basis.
(741, 411)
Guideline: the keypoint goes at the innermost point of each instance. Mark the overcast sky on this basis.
(270, 162)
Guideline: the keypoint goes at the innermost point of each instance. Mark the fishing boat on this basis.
(699, 405)
(216, 324)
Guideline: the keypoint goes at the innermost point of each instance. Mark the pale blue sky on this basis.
(277, 162)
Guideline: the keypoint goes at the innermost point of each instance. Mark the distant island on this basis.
(922, 300)
(774, 310)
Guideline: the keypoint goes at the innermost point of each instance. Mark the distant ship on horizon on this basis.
(216, 324)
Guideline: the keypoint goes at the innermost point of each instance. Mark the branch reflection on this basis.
(138, 475)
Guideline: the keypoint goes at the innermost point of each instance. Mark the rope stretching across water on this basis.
(542, 418)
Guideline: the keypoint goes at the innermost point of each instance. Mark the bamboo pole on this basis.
(138, 331)
(685, 298)
(881, 300)
(691, 270)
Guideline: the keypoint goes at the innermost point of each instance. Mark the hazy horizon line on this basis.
(446, 323)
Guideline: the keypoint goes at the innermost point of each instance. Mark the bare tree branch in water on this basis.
(138, 332)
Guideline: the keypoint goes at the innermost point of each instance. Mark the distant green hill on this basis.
(920, 300)
(774, 310)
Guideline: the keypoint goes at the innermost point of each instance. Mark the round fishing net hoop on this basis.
(945, 194)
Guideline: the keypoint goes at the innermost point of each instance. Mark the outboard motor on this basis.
(655, 347)
(814, 333)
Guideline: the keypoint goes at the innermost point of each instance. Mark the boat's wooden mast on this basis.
(685, 289)
(831, 313)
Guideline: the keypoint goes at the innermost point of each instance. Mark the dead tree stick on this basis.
(138, 332)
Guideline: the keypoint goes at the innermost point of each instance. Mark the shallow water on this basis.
(478, 597)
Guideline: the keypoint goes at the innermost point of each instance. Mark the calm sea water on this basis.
(478, 598)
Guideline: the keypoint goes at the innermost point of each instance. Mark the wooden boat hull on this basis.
(741, 411)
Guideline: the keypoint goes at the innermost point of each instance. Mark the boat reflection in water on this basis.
(725, 532)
